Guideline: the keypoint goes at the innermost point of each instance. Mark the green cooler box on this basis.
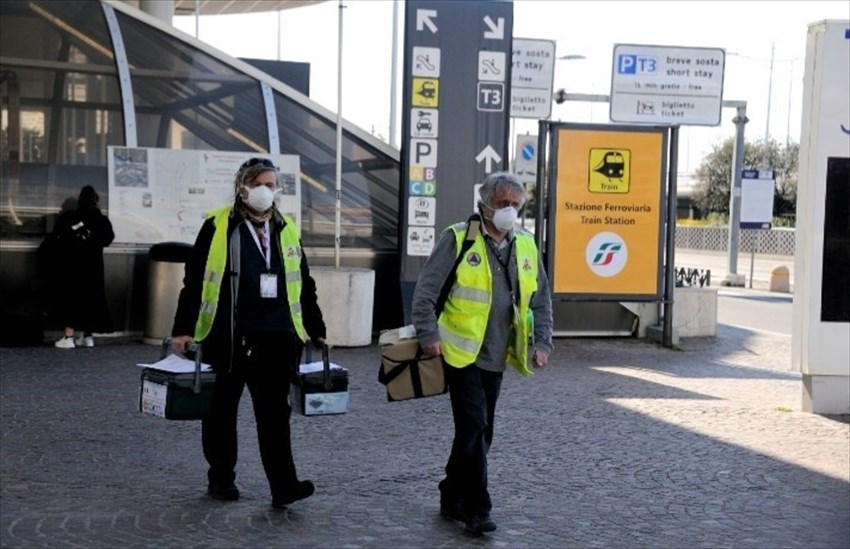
(320, 388)
(172, 395)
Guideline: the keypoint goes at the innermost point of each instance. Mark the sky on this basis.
(751, 32)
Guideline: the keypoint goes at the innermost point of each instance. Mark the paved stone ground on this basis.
(619, 443)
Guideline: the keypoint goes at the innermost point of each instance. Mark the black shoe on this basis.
(225, 492)
(302, 489)
(479, 524)
(452, 511)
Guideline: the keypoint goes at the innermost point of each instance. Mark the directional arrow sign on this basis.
(423, 19)
(497, 30)
(448, 147)
(488, 155)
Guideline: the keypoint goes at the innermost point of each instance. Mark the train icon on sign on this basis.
(612, 165)
(637, 64)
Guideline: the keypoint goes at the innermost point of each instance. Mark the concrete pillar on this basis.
(695, 311)
(780, 280)
(346, 297)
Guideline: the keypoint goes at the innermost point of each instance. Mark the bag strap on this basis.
(473, 227)
(401, 365)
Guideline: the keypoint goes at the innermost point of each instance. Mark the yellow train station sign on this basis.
(608, 201)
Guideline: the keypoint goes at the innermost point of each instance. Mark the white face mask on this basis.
(505, 218)
(260, 198)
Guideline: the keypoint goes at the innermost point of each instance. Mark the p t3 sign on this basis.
(456, 109)
(667, 85)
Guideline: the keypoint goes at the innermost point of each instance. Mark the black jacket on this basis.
(217, 345)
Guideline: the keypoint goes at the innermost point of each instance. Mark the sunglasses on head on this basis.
(254, 161)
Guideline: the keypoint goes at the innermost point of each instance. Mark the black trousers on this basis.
(473, 394)
(263, 363)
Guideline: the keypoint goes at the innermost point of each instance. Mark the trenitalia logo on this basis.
(606, 254)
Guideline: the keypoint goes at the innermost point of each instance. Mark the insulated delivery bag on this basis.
(405, 371)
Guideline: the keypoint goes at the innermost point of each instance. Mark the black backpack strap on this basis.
(473, 228)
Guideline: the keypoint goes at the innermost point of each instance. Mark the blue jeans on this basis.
(473, 394)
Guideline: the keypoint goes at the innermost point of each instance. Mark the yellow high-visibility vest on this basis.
(463, 321)
(290, 249)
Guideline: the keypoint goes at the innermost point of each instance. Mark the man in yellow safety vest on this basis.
(500, 297)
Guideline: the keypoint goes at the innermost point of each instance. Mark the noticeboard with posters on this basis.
(606, 212)
(158, 195)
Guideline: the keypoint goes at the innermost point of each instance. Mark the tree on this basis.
(714, 174)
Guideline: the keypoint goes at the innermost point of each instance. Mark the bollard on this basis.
(780, 279)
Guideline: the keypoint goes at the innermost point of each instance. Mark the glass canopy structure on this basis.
(77, 76)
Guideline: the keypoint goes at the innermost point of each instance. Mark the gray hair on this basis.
(499, 181)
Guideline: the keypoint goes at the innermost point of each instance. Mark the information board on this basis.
(757, 190)
(667, 85)
(161, 195)
(607, 206)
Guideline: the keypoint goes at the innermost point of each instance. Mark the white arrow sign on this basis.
(497, 30)
(423, 19)
(490, 156)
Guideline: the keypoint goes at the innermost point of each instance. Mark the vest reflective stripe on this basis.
(469, 345)
(471, 294)
(290, 248)
(293, 277)
(463, 322)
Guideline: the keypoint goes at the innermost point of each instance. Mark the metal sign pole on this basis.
(338, 177)
(753, 245)
(669, 267)
(735, 194)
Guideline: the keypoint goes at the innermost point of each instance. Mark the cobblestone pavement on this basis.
(619, 443)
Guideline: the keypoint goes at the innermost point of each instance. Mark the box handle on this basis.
(193, 347)
(326, 362)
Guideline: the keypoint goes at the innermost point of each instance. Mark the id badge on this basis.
(268, 285)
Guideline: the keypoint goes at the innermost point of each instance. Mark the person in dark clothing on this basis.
(248, 253)
(76, 271)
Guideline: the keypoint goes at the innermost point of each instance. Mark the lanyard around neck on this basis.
(265, 245)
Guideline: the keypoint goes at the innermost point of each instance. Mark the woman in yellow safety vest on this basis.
(249, 299)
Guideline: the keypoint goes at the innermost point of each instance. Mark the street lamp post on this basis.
(561, 94)
(769, 94)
